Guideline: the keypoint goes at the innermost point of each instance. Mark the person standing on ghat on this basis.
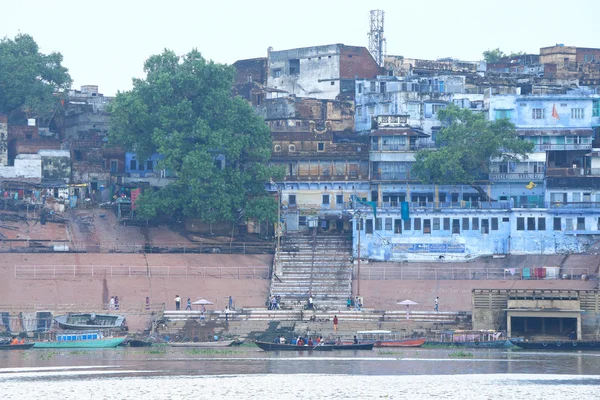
(177, 302)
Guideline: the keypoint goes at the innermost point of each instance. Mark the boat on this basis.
(222, 343)
(23, 346)
(569, 345)
(80, 340)
(488, 339)
(388, 339)
(87, 321)
(135, 343)
(268, 346)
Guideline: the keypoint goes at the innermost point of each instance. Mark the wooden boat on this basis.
(267, 346)
(487, 344)
(489, 339)
(135, 343)
(24, 346)
(80, 340)
(388, 339)
(567, 345)
(89, 321)
(223, 343)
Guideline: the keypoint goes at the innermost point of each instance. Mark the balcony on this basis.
(583, 205)
(402, 147)
(558, 172)
(566, 146)
(517, 176)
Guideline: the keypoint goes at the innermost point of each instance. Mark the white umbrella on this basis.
(203, 302)
(407, 303)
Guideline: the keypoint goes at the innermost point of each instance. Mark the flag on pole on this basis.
(371, 204)
(555, 113)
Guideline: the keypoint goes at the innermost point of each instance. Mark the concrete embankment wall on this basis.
(214, 277)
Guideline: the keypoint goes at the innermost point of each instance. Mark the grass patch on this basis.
(80, 352)
(461, 354)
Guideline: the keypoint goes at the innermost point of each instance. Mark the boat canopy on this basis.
(373, 332)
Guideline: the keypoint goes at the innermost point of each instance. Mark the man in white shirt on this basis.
(177, 302)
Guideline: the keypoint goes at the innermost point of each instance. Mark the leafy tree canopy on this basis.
(495, 55)
(215, 143)
(29, 79)
(466, 144)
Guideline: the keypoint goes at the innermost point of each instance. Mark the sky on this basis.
(106, 42)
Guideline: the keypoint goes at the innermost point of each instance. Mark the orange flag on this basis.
(554, 112)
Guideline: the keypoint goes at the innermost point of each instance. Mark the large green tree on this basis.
(31, 83)
(215, 143)
(466, 144)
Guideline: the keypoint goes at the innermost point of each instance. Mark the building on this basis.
(566, 62)
(86, 112)
(322, 72)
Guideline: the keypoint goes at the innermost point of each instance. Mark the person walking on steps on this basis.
(437, 304)
(177, 302)
(189, 305)
(335, 323)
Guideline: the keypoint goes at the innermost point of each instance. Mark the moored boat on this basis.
(568, 345)
(268, 346)
(87, 321)
(223, 343)
(382, 338)
(23, 346)
(472, 339)
(80, 340)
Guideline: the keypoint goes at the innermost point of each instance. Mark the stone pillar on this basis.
(509, 327)
(579, 335)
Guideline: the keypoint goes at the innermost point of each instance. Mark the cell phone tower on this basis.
(376, 40)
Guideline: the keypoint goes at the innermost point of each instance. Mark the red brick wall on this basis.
(257, 67)
(33, 146)
(355, 61)
(581, 52)
(21, 132)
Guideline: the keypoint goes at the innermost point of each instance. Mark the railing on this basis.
(566, 146)
(92, 307)
(41, 246)
(416, 206)
(450, 273)
(401, 147)
(592, 172)
(574, 205)
(511, 176)
(103, 271)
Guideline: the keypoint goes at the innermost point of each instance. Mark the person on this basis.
(318, 339)
(111, 303)
(177, 302)
(226, 313)
(22, 341)
(355, 340)
(310, 342)
(273, 303)
(281, 340)
(335, 323)
(310, 302)
(230, 303)
(437, 304)
(14, 341)
(189, 304)
(116, 302)
(349, 302)
(147, 303)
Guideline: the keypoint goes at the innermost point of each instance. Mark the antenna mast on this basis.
(376, 39)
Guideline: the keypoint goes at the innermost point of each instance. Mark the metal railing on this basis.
(558, 172)
(565, 146)
(455, 273)
(92, 307)
(526, 176)
(102, 271)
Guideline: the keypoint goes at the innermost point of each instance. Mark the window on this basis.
(581, 223)
(427, 226)
(456, 226)
(437, 107)
(302, 220)
(388, 224)
(596, 108)
(292, 199)
(568, 224)
(339, 199)
(465, 224)
(373, 86)
(598, 224)
(520, 224)
(446, 224)
(505, 219)
(276, 73)
(133, 165)
(360, 88)
(371, 110)
(475, 225)
(485, 226)
(114, 165)
(381, 87)
(541, 224)
(576, 113)
(537, 113)
(332, 83)
(530, 223)
(378, 224)
(369, 226)
(321, 146)
(398, 225)
(407, 224)
(149, 165)
(359, 111)
(325, 199)
(417, 226)
(294, 65)
(494, 224)
(557, 226)
(436, 224)
(503, 114)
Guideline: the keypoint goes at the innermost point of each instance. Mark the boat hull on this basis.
(569, 345)
(16, 346)
(80, 344)
(84, 321)
(225, 343)
(266, 346)
(492, 344)
(400, 343)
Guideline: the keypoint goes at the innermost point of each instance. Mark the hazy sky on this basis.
(106, 42)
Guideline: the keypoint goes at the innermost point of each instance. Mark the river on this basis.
(248, 373)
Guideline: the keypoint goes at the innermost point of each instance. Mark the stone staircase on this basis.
(314, 264)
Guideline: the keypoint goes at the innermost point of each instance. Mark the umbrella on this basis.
(407, 303)
(203, 302)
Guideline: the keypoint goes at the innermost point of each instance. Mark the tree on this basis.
(30, 80)
(215, 143)
(466, 144)
(493, 56)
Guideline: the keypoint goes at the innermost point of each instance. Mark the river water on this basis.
(248, 373)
